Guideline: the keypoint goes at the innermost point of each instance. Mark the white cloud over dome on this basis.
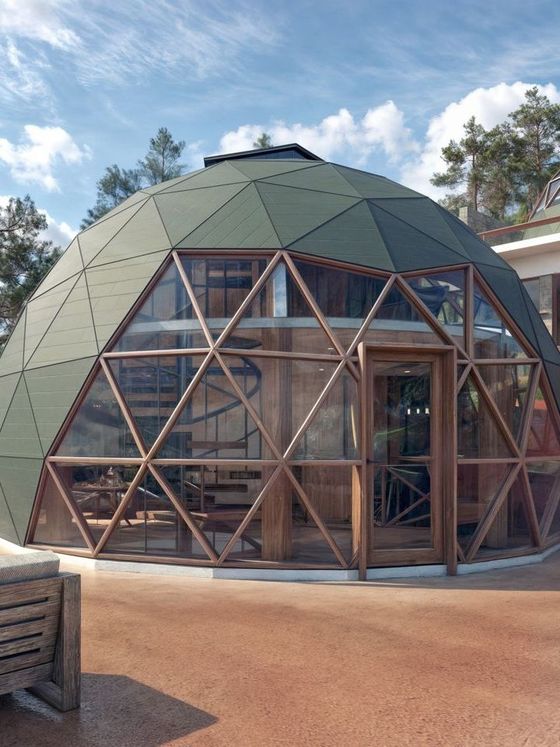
(33, 160)
(381, 129)
(490, 106)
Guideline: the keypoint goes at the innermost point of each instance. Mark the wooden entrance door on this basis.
(408, 418)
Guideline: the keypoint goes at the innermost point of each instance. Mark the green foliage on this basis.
(263, 141)
(162, 159)
(24, 258)
(502, 171)
(115, 185)
(160, 163)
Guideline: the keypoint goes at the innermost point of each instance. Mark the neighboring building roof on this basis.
(304, 205)
(548, 206)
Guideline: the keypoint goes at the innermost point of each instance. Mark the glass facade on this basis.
(229, 422)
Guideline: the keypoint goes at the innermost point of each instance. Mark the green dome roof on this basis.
(307, 206)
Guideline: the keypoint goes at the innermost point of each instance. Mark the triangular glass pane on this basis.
(55, 524)
(492, 338)
(510, 528)
(444, 295)
(460, 370)
(221, 285)
(308, 544)
(152, 525)
(477, 487)
(554, 530)
(334, 430)
(165, 320)
(330, 490)
(279, 318)
(478, 436)
(544, 479)
(153, 386)
(97, 490)
(281, 390)
(215, 424)
(508, 384)
(267, 535)
(98, 428)
(397, 320)
(543, 437)
(344, 297)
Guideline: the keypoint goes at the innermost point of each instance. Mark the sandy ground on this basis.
(169, 661)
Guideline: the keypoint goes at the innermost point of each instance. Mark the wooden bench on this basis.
(40, 628)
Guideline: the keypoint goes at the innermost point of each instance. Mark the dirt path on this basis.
(170, 661)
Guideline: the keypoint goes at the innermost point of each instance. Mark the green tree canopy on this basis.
(161, 162)
(24, 258)
(263, 141)
(503, 170)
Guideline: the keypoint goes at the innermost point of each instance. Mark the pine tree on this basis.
(466, 162)
(24, 258)
(160, 163)
(263, 141)
(162, 159)
(537, 125)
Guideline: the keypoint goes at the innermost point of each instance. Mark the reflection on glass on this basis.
(543, 438)
(402, 408)
(492, 338)
(55, 524)
(477, 486)
(97, 491)
(329, 490)
(214, 423)
(544, 479)
(344, 297)
(478, 436)
(334, 430)
(286, 392)
(510, 528)
(444, 295)
(280, 318)
(401, 512)
(165, 320)
(221, 285)
(397, 320)
(152, 387)
(99, 428)
(508, 384)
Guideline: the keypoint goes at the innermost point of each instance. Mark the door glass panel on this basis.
(402, 411)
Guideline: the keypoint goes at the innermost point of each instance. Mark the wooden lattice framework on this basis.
(282, 464)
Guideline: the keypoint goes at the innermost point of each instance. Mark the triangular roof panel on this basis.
(296, 212)
(182, 212)
(242, 222)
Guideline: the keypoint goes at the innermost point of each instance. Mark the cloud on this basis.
(60, 233)
(119, 42)
(490, 106)
(381, 129)
(20, 81)
(33, 160)
(40, 20)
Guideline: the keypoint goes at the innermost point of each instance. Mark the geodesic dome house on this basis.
(280, 362)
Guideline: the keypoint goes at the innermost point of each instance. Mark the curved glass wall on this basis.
(224, 422)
